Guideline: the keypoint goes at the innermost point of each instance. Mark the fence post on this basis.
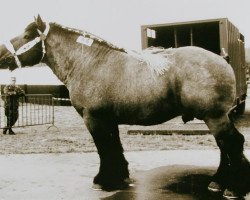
(53, 112)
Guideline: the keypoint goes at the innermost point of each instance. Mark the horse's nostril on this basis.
(8, 60)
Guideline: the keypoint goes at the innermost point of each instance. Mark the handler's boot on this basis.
(11, 132)
(5, 131)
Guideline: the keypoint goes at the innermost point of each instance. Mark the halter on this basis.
(41, 38)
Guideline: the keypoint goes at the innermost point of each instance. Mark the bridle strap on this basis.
(29, 45)
(11, 49)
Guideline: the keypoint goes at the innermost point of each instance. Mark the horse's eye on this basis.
(27, 36)
(8, 60)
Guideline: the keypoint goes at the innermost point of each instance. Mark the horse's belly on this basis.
(147, 116)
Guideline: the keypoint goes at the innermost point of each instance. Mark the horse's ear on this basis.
(39, 22)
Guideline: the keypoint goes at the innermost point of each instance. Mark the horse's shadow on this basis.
(171, 182)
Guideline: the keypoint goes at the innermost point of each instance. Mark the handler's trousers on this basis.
(12, 116)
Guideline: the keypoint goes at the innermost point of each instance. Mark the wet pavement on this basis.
(177, 174)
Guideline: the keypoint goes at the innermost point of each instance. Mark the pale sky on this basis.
(119, 21)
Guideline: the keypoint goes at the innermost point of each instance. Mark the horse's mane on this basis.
(92, 36)
(156, 58)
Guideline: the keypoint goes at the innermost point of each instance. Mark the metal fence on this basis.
(35, 109)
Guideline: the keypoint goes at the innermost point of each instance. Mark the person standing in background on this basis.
(12, 94)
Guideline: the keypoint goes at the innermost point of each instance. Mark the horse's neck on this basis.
(65, 56)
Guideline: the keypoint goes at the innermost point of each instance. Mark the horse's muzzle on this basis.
(5, 60)
(4, 63)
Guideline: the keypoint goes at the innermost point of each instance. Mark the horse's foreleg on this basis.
(113, 169)
(233, 172)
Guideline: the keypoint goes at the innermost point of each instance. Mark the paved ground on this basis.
(178, 174)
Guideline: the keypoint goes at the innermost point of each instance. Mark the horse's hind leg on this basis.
(233, 172)
(113, 169)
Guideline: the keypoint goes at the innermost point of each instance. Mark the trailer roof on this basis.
(185, 23)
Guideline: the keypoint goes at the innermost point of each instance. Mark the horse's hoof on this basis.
(229, 194)
(215, 187)
(126, 184)
(130, 182)
(97, 187)
(121, 186)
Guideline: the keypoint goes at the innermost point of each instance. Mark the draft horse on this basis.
(110, 86)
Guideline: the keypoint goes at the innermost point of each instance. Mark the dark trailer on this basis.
(217, 35)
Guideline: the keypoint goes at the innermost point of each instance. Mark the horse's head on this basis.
(26, 49)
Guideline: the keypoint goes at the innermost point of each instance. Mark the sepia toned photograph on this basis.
(124, 100)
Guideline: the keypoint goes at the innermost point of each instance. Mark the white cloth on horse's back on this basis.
(158, 59)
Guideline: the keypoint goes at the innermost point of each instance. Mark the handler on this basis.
(11, 104)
